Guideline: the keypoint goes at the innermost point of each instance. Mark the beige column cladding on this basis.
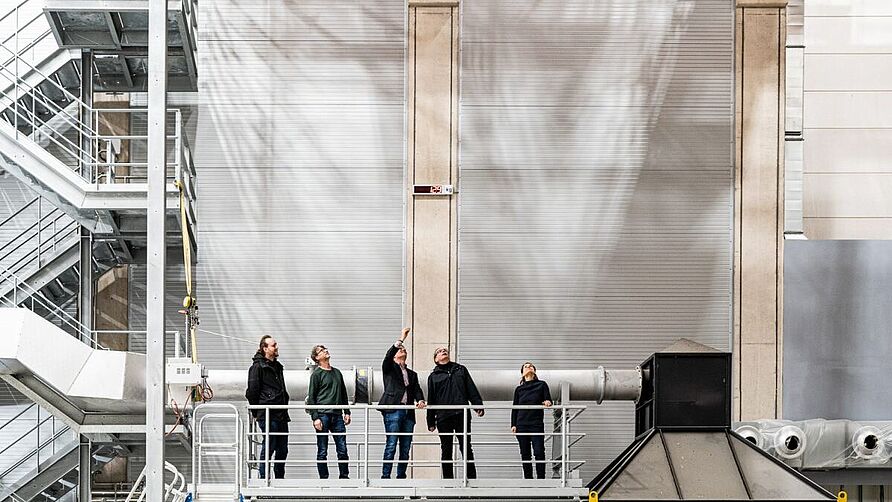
(432, 160)
(759, 209)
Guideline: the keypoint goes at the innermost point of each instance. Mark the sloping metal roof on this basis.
(714, 465)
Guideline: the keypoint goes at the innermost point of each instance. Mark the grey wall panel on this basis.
(300, 151)
(837, 313)
(596, 188)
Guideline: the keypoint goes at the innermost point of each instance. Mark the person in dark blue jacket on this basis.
(528, 424)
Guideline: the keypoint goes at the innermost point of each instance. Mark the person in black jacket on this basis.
(529, 423)
(400, 387)
(266, 386)
(450, 383)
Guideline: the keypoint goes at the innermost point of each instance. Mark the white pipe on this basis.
(596, 384)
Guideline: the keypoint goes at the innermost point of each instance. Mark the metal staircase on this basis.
(42, 460)
(39, 261)
(69, 151)
(88, 168)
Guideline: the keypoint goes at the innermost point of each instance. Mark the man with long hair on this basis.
(266, 386)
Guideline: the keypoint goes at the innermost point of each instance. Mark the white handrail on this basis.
(561, 463)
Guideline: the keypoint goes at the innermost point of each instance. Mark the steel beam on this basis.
(156, 246)
(84, 484)
(85, 294)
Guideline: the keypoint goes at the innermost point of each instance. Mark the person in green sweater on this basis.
(327, 388)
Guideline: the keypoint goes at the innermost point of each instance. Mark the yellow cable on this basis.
(187, 261)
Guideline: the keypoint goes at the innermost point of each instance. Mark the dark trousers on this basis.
(447, 427)
(531, 446)
(397, 421)
(278, 447)
(333, 423)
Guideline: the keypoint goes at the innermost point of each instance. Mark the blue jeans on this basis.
(278, 446)
(332, 422)
(397, 421)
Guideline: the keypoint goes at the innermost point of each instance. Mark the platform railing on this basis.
(562, 468)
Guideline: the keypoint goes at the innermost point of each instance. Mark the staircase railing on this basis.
(23, 295)
(95, 155)
(44, 445)
(29, 28)
(175, 491)
(40, 232)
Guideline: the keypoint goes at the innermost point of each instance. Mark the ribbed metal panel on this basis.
(596, 182)
(300, 157)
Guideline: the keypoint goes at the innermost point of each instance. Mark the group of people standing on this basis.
(449, 383)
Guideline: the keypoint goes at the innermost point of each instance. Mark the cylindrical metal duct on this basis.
(789, 442)
(869, 443)
(366, 385)
(751, 434)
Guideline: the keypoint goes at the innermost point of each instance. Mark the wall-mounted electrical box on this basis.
(182, 371)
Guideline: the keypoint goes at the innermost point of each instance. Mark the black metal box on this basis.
(684, 391)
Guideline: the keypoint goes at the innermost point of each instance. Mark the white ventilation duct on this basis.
(789, 442)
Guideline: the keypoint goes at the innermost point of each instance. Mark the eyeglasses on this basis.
(441, 351)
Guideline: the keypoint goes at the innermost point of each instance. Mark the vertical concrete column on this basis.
(432, 231)
(759, 208)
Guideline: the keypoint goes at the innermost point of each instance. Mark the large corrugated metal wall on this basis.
(300, 151)
(596, 181)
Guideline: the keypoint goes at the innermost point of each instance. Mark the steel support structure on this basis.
(85, 467)
(85, 292)
(156, 259)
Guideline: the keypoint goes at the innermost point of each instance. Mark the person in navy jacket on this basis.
(528, 424)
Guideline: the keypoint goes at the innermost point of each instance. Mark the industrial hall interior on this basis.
(445, 250)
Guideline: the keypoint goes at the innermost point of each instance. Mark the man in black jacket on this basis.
(400, 387)
(266, 386)
(450, 383)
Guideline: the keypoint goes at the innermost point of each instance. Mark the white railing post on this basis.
(266, 450)
(39, 229)
(15, 81)
(178, 145)
(465, 416)
(365, 473)
(563, 446)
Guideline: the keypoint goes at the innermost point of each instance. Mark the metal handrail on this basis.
(26, 410)
(63, 316)
(18, 211)
(29, 431)
(55, 213)
(561, 463)
(88, 130)
(36, 451)
(14, 9)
